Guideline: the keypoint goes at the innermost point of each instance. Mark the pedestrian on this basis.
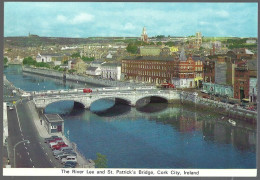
(41, 121)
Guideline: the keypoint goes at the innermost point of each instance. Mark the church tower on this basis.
(144, 36)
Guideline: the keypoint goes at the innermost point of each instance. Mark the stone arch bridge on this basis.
(130, 96)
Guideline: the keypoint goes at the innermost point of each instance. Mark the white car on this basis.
(11, 107)
(69, 158)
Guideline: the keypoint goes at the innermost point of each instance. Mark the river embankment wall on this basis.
(79, 78)
(225, 109)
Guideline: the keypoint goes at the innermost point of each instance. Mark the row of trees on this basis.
(30, 61)
(84, 58)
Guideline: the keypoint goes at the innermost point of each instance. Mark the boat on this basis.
(232, 122)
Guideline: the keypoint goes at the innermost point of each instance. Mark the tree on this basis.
(132, 48)
(56, 67)
(159, 43)
(29, 61)
(5, 60)
(72, 70)
(75, 55)
(84, 58)
(101, 161)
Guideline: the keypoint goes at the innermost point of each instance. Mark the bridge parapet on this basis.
(131, 96)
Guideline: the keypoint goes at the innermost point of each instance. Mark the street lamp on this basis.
(27, 141)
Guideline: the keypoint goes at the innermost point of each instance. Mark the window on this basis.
(53, 127)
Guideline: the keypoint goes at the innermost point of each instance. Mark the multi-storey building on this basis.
(184, 72)
(153, 69)
(111, 71)
(241, 85)
(209, 71)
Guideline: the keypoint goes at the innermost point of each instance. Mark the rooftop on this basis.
(153, 58)
(53, 118)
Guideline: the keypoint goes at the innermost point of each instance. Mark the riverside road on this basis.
(36, 154)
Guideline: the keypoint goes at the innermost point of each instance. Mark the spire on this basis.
(144, 31)
(182, 55)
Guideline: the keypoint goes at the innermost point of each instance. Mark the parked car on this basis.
(46, 140)
(58, 146)
(70, 164)
(61, 156)
(54, 140)
(55, 143)
(66, 148)
(63, 152)
(69, 158)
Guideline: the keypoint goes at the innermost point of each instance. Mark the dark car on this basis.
(70, 164)
(46, 140)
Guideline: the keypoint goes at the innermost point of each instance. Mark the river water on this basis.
(157, 135)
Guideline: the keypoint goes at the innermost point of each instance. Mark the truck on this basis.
(87, 90)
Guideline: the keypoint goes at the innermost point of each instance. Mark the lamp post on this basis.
(27, 141)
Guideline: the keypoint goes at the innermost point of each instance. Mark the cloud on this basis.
(129, 26)
(222, 13)
(61, 18)
(81, 18)
(78, 19)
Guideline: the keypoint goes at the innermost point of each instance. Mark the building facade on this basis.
(150, 51)
(209, 71)
(184, 72)
(241, 85)
(111, 71)
(148, 69)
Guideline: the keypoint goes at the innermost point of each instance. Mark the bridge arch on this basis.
(116, 99)
(164, 99)
(64, 105)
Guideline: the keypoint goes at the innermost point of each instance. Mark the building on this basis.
(220, 72)
(150, 50)
(209, 71)
(218, 89)
(53, 123)
(230, 75)
(111, 71)
(198, 79)
(144, 36)
(241, 85)
(152, 69)
(46, 58)
(78, 65)
(93, 71)
(251, 41)
(165, 51)
(184, 72)
(252, 67)
(198, 39)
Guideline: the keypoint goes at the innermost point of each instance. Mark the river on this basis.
(155, 136)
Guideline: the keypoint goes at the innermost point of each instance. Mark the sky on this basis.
(107, 19)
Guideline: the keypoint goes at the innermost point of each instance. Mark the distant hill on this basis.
(36, 41)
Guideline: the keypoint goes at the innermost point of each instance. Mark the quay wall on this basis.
(218, 107)
(79, 78)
